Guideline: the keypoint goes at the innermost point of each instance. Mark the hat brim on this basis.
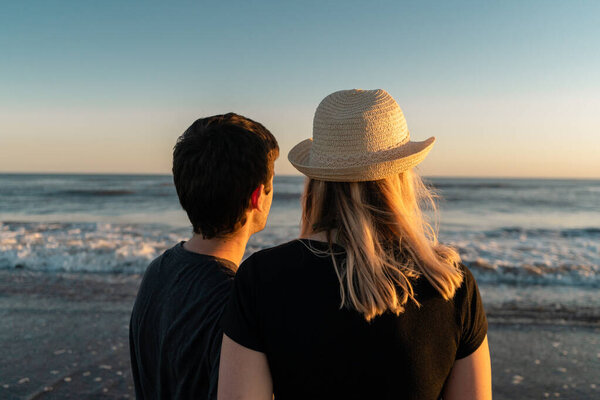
(371, 167)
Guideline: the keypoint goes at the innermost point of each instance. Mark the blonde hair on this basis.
(387, 239)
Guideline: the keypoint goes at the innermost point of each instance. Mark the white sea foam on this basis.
(511, 256)
(83, 247)
(536, 256)
(509, 231)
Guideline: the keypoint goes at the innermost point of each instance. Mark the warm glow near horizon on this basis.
(507, 92)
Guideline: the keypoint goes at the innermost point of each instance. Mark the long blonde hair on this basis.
(387, 238)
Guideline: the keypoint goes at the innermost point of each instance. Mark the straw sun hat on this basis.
(358, 135)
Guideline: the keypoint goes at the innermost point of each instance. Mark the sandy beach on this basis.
(65, 336)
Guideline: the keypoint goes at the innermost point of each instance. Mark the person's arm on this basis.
(471, 377)
(243, 373)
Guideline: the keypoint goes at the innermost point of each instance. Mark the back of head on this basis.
(363, 189)
(387, 238)
(217, 163)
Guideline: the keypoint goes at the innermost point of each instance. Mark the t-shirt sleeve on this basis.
(220, 297)
(240, 320)
(472, 313)
(139, 394)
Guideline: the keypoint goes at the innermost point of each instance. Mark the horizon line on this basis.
(300, 175)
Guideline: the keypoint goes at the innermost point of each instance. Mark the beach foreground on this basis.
(65, 336)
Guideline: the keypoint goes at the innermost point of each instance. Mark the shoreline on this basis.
(65, 335)
(504, 303)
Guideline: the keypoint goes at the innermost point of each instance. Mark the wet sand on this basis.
(65, 336)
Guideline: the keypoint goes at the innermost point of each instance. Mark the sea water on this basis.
(509, 231)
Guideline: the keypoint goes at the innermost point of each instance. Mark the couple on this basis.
(366, 304)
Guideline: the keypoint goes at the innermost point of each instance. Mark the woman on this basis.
(366, 304)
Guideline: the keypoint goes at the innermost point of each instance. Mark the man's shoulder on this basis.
(176, 268)
(178, 277)
(166, 256)
(176, 259)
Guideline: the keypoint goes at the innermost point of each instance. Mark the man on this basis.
(223, 174)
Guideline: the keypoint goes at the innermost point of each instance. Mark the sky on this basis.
(508, 88)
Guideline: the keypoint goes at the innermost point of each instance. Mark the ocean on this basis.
(508, 231)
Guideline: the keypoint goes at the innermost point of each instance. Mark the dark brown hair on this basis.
(217, 163)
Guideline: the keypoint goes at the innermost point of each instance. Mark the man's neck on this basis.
(230, 248)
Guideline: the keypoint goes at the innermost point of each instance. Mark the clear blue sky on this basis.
(509, 88)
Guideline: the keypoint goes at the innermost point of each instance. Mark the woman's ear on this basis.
(255, 198)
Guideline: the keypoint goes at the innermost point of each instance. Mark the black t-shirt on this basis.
(285, 303)
(174, 334)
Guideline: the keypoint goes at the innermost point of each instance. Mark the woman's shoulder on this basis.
(469, 284)
(297, 256)
(280, 249)
(276, 254)
(464, 292)
(273, 257)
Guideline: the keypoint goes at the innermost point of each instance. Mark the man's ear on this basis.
(255, 198)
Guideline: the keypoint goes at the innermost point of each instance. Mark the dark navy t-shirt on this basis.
(174, 335)
(285, 303)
